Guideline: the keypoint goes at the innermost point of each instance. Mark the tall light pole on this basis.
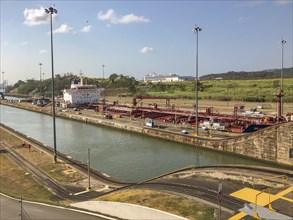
(103, 70)
(40, 71)
(196, 30)
(281, 86)
(3, 83)
(52, 11)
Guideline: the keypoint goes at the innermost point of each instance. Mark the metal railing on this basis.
(283, 177)
(255, 213)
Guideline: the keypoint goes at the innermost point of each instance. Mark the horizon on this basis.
(139, 37)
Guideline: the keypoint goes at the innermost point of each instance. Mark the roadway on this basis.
(11, 209)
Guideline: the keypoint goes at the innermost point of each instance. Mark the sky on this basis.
(137, 38)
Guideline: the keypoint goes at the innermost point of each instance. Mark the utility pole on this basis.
(281, 86)
(40, 71)
(88, 170)
(52, 11)
(196, 30)
(21, 215)
(3, 83)
(220, 198)
(103, 71)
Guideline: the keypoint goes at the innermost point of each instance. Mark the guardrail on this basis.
(255, 213)
(283, 176)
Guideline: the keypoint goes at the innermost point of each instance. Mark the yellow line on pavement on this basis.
(288, 200)
(284, 192)
(263, 199)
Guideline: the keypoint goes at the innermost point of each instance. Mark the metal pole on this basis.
(3, 82)
(3, 86)
(196, 29)
(282, 107)
(103, 70)
(53, 93)
(20, 208)
(40, 71)
(51, 11)
(88, 170)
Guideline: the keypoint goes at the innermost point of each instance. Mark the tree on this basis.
(112, 77)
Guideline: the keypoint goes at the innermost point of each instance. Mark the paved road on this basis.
(10, 209)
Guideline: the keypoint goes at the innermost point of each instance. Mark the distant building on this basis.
(166, 78)
(81, 94)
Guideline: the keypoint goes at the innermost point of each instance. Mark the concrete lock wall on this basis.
(271, 144)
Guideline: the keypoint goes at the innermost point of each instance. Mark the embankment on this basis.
(273, 144)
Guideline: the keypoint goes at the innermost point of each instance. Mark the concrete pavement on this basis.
(126, 210)
(10, 209)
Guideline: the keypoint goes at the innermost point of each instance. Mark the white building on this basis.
(81, 94)
(166, 78)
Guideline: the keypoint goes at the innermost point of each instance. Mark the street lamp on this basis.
(52, 11)
(281, 86)
(103, 70)
(196, 30)
(40, 71)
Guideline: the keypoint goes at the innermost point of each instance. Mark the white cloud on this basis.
(34, 17)
(86, 29)
(243, 18)
(43, 51)
(131, 18)
(111, 16)
(64, 28)
(147, 50)
(283, 2)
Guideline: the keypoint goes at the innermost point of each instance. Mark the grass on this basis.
(14, 181)
(45, 163)
(177, 205)
(42, 160)
(222, 90)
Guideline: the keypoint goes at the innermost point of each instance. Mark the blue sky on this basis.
(136, 38)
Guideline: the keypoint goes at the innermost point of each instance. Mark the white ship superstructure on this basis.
(81, 94)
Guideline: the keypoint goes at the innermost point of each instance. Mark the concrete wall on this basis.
(271, 144)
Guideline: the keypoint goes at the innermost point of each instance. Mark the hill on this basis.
(264, 74)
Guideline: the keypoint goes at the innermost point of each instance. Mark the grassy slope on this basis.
(226, 90)
(16, 182)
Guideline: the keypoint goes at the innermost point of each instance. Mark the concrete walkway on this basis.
(126, 210)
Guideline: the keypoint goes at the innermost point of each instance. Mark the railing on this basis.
(283, 176)
(255, 214)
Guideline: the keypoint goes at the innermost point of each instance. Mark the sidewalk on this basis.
(126, 210)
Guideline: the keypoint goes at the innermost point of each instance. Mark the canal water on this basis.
(120, 154)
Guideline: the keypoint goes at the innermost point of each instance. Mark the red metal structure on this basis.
(139, 98)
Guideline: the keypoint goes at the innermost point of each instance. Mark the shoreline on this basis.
(272, 144)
